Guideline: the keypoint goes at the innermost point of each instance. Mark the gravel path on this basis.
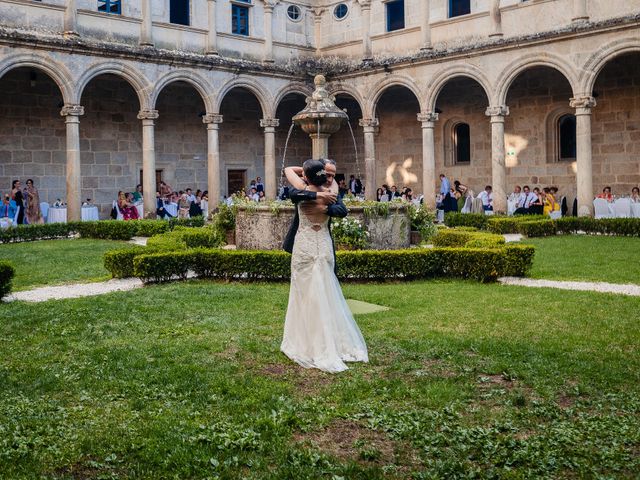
(602, 287)
(76, 290)
(512, 237)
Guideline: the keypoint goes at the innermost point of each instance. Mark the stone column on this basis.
(149, 186)
(426, 25)
(496, 19)
(365, 6)
(584, 174)
(270, 181)
(213, 121)
(212, 34)
(72, 115)
(580, 11)
(498, 167)
(71, 19)
(319, 145)
(146, 29)
(317, 24)
(370, 127)
(428, 121)
(268, 27)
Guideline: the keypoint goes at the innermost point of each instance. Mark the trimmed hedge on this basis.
(29, 233)
(456, 219)
(120, 262)
(482, 264)
(537, 228)
(7, 272)
(463, 237)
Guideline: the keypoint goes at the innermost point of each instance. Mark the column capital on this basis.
(428, 118)
(317, 14)
(269, 122)
(365, 4)
(583, 104)
(212, 118)
(148, 115)
(269, 5)
(369, 122)
(497, 111)
(72, 110)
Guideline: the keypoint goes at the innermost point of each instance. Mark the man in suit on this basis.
(316, 202)
(160, 210)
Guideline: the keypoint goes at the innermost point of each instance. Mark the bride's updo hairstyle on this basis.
(315, 173)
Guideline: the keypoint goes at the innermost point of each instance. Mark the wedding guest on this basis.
(126, 207)
(253, 194)
(160, 210)
(18, 199)
(606, 194)
(8, 210)
(379, 193)
(516, 194)
(261, 197)
(33, 213)
(460, 188)
(259, 185)
(635, 195)
(252, 186)
(536, 208)
(205, 196)
(407, 196)
(394, 193)
(525, 201)
(183, 205)
(342, 188)
(460, 199)
(165, 190)
(445, 186)
(550, 203)
(137, 195)
(487, 198)
(355, 185)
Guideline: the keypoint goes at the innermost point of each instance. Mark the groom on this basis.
(315, 203)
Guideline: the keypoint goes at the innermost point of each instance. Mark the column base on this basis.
(496, 35)
(146, 44)
(580, 20)
(213, 53)
(268, 60)
(70, 34)
(426, 48)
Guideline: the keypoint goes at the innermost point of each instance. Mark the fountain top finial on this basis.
(319, 81)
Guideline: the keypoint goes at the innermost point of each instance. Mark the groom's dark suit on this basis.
(337, 209)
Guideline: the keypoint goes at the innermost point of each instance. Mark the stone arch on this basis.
(511, 72)
(264, 98)
(135, 78)
(379, 88)
(338, 88)
(296, 87)
(201, 85)
(442, 78)
(57, 71)
(596, 62)
(552, 140)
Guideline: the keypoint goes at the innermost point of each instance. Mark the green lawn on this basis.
(53, 262)
(185, 380)
(587, 258)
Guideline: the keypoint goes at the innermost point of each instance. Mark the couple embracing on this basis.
(319, 331)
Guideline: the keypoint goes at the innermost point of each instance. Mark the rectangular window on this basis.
(459, 7)
(110, 6)
(179, 12)
(239, 20)
(395, 15)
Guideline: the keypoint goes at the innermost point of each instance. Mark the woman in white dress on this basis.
(319, 330)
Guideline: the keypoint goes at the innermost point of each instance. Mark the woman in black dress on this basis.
(16, 195)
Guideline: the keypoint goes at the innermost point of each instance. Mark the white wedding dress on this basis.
(319, 329)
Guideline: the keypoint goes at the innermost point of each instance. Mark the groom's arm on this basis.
(337, 209)
(297, 196)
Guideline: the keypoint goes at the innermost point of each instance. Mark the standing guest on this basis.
(160, 210)
(253, 194)
(125, 204)
(195, 210)
(606, 194)
(33, 213)
(635, 195)
(259, 185)
(445, 186)
(379, 193)
(487, 199)
(18, 199)
(190, 196)
(355, 185)
(342, 188)
(137, 195)
(460, 187)
(183, 205)
(252, 186)
(460, 199)
(165, 191)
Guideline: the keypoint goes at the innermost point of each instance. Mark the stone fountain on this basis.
(264, 227)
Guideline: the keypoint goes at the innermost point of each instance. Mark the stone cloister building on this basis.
(98, 96)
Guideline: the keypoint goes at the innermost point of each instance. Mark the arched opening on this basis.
(399, 141)
(615, 125)
(463, 133)
(299, 147)
(341, 148)
(538, 98)
(110, 140)
(566, 137)
(181, 138)
(32, 133)
(241, 140)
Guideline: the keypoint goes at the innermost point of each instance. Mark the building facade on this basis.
(100, 95)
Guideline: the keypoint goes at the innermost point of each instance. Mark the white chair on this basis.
(622, 208)
(44, 208)
(384, 198)
(467, 205)
(555, 214)
(119, 213)
(601, 207)
(15, 217)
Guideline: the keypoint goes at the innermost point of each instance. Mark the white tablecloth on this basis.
(204, 205)
(57, 215)
(172, 208)
(90, 214)
(140, 208)
(635, 210)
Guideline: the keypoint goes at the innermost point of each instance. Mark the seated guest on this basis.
(606, 194)
(259, 185)
(537, 206)
(526, 199)
(635, 195)
(253, 195)
(461, 188)
(407, 196)
(161, 212)
(460, 199)
(127, 209)
(515, 195)
(137, 195)
(261, 197)
(194, 209)
(550, 203)
(379, 193)
(183, 205)
(487, 199)
(394, 193)
(8, 210)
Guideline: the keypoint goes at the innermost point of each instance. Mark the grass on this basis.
(55, 262)
(587, 258)
(185, 380)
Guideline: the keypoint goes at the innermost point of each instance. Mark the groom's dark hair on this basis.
(314, 171)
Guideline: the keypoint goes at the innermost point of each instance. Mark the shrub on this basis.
(108, 229)
(537, 228)
(186, 222)
(168, 241)
(202, 237)
(28, 233)
(422, 220)
(349, 233)
(517, 260)
(149, 228)
(120, 262)
(455, 219)
(160, 267)
(503, 225)
(463, 237)
(7, 273)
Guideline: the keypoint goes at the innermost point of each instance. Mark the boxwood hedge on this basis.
(7, 273)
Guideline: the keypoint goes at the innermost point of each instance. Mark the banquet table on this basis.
(171, 208)
(90, 213)
(57, 215)
(635, 210)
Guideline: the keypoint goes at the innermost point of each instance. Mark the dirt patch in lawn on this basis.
(307, 381)
(84, 470)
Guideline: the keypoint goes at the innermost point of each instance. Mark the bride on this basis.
(319, 330)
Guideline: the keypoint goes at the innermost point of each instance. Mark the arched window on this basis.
(567, 137)
(462, 143)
